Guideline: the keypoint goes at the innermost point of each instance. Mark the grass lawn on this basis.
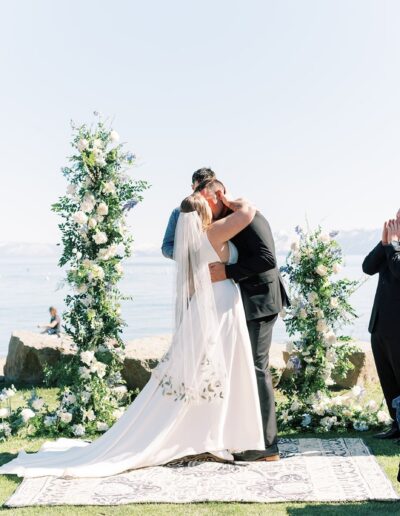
(387, 454)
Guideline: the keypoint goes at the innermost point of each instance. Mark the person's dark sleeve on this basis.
(373, 262)
(261, 259)
(167, 247)
(393, 258)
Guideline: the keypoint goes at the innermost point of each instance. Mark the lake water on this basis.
(29, 287)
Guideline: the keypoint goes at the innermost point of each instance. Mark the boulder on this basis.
(29, 352)
(364, 371)
(141, 356)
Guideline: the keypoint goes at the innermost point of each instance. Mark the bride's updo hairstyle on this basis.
(196, 202)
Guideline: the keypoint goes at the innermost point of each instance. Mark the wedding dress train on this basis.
(157, 428)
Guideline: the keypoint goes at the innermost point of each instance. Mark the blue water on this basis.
(29, 287)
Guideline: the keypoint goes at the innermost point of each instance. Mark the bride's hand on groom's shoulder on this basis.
(231, 203)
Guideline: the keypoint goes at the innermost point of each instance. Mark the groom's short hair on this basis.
(213, 184)
(203, 174)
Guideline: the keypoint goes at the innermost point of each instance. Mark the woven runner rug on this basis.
(311, 470)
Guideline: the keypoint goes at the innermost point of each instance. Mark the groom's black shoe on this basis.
(270, 454)
(392, 433)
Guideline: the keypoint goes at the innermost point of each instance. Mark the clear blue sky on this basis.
(295, 104)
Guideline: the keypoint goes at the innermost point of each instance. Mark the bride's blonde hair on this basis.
(196, 202)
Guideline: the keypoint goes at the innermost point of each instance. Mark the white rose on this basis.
(100, 237)
(102, 427)
(97, 142)
(336, 268)
(372, 405)
(117, 413)
(321, 270)
(87, 357)
(70, 398)
(10, 392)
(71, 190)
(90, 415)
(82, 145)
(319, 313)
(357, 391)
(85, 395)
(321, 326)
(102, 209)
(334, 302)
(324, 238)
(109, 188)
(118, 268)
(330, 338)
(114, 136)
(303, 313)
(66, 417)
(38, 403)
(92, 223)
(383, 417)
(99, 368)
(294, 246)
(87, 206)
(4, 412)
(79, 217)
(78, 430)
(312, 297)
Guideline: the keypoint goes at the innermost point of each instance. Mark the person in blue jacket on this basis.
(167, 248)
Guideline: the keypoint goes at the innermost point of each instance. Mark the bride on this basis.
(202, 397)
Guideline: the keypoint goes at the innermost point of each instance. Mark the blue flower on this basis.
(130, 204)
(130, 157)
(306, 421)
(332, 234)
(298, 230)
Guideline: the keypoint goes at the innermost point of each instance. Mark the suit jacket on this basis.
(262, 288)
(385, 260)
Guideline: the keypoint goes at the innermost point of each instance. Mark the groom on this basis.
(263, 295)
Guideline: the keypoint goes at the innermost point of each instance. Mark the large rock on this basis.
(142, 355)
(29, 352)
(364, 371)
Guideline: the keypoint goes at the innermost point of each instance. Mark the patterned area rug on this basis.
(311, 470)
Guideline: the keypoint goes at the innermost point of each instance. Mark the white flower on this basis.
(334, 302)
(97, 142)
(109, 188)
(296, 257)
(312, 297)
(78, 430)
(85, 395)
(286, 417)
(92, 223)
(120, 390)
(96, 272)
(84, 373)
(302, 313)
(294, 246)
(114, 136)
(118, 268)
(336, 268)
(49, 420)
(89, 415)
(322, 326)
(102, 427)
(100, 237)
(88, 203)
(82, 145)
(324, 238)
(79, 217)
(65, 417)
(102, 209)
(6, 429)
(70, 398)
(383, 417)
(82, 289)
(4, 412)
(87, 357)
(295, 406)
(331, 357)
(330, 338)
(107, 253)
(99, 368)
(10, 392)
(117, 413)
(71, 190)
(37, 403)
(357, 391)
(319, 313)
(321, 270)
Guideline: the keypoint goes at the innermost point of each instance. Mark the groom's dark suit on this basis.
(263, 295)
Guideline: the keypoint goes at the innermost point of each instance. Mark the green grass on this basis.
(387, 454)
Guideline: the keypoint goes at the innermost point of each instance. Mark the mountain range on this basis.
(355, 241)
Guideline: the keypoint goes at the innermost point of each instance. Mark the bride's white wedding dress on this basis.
(158, 428)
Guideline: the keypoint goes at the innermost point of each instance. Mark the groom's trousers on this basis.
(260, 331)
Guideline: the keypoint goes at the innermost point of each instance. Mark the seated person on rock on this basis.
(54, 326)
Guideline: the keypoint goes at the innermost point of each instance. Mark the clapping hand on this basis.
(393, 231)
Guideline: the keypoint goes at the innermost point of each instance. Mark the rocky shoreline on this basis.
(29, 352)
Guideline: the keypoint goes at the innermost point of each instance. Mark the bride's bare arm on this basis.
(224, 229)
